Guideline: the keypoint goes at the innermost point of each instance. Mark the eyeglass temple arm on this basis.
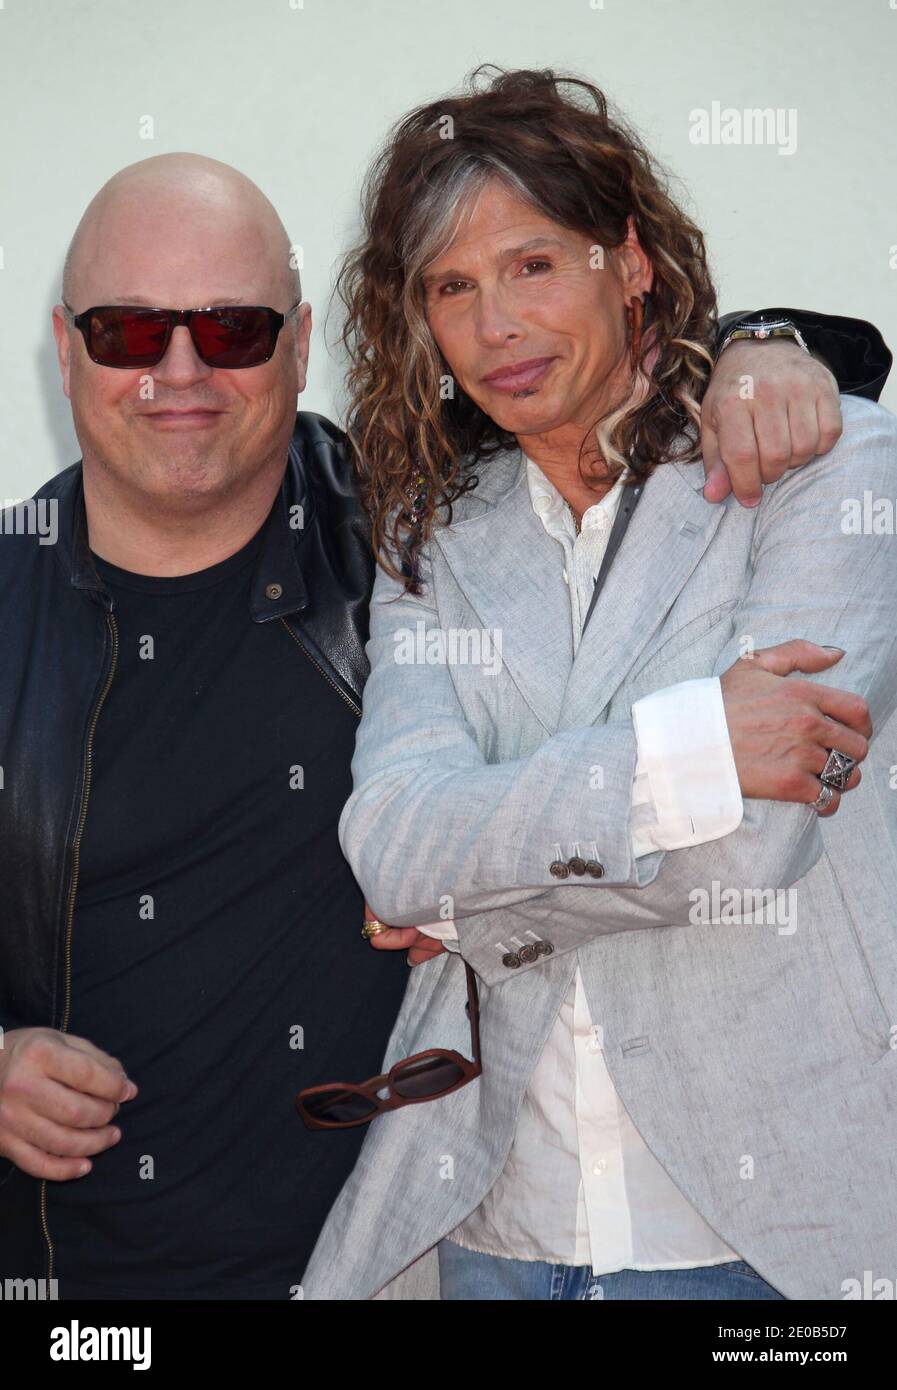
(473, 1005)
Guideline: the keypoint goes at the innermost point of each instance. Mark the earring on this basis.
(635, 312)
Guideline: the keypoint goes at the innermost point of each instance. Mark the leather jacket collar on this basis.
(315, 559)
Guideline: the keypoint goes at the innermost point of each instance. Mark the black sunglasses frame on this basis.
(175, 319)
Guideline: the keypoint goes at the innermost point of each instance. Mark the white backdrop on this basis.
(298, 94)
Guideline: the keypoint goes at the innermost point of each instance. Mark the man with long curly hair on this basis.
(578, 777)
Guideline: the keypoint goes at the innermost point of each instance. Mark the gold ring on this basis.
(372, 927)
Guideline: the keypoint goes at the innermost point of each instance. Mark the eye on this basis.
(450, 287)
(546, 265)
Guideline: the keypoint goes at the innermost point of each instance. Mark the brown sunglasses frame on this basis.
(369, 1089)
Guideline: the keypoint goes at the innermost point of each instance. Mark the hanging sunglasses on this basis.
(130, 336)
(425, 1076)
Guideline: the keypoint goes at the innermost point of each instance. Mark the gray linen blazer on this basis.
(756, 1056)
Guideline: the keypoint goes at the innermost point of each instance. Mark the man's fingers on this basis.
(85, 1045)
(39, 1164)
(69, 1107)
(829, 421)
(738, 450)
(797, 654)
(846, 740)
(59, 1139)
(716, 486)
(394, 939)
(425, 949)
(853, 780)
(773, 434)
(77, 1068)
(843, 707)
(831, 809)
(803, 426)
(419, 946)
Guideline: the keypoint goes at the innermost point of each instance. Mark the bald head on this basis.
(185, 210)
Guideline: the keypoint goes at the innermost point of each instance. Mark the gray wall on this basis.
(298, 96)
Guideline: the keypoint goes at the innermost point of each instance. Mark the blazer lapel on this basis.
(511, 573)
(671, 529)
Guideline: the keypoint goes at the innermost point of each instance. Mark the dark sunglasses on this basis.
(425, 1076)
(129, 336)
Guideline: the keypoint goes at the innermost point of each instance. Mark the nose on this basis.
(495, 320)
(181, 365)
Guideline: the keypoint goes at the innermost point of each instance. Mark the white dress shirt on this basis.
(580, 1186)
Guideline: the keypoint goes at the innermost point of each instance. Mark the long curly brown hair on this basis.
(551, 139)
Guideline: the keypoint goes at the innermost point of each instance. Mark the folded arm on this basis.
(431, 830)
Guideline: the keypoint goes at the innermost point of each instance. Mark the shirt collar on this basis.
(552, 510)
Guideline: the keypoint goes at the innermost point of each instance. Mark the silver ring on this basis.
(825, 798)
(837, 770)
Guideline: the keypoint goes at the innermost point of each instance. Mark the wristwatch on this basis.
(758, 329)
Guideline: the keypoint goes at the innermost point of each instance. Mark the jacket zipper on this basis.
(76, 847)
(87, 771)
(342, 694)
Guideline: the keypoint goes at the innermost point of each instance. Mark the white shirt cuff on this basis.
(685, 790)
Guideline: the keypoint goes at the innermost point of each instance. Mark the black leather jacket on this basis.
(58, 640)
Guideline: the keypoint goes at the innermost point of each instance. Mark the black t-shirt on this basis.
(216, 950)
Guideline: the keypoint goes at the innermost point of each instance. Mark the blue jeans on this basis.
(470, 1275)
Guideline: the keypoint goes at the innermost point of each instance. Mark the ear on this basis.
(635, 269)
(63, 345)
(303, 342)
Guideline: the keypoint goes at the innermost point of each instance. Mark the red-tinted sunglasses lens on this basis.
(340, 1107)
(127, 337)
(426, 1078)
(238, 336)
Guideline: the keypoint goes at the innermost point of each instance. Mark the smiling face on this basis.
(181, 435)
(533, 328)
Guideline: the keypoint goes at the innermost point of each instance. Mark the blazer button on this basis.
(544, 948)
(559, 869)
(577, 865)
(594, 868)
(511, 961)
(528, 954)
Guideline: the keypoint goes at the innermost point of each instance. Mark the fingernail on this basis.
(834, 649)
(130, 1091)
(85, 1168)
(116, 1134)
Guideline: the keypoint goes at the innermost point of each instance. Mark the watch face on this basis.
(762, 327)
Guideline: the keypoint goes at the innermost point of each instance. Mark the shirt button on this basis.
(599, 1166)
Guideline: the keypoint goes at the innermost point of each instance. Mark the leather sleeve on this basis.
(853, 349)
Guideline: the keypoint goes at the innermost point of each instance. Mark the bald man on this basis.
(179, 694)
